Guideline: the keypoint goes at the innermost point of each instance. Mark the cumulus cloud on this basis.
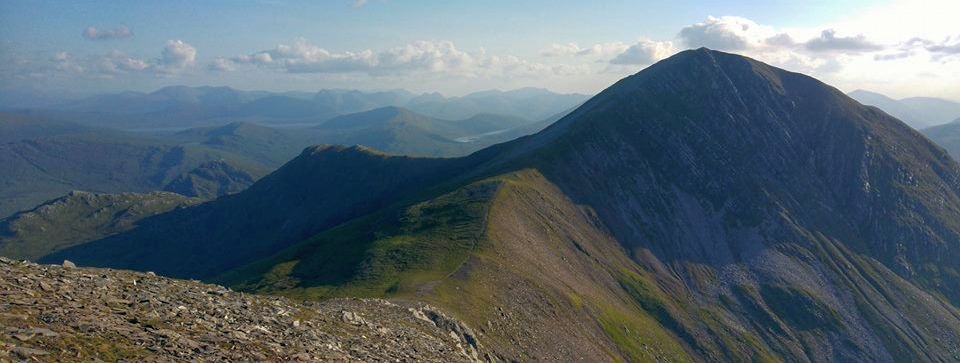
(780, 40)
(421, 56)
(120, 32)
(725, 33)
(176, 56)
(117, 62)
(221, 64)
(644, 52)
(830, 42)
(65, 62)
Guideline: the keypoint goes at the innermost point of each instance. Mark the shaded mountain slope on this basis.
(210, 180)
(708, 208)
(80, 217)
(40, 169)
(510, 253)
(323, 187)
(947, 136)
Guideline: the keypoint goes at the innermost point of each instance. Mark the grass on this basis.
(387, 254)
(639, 337)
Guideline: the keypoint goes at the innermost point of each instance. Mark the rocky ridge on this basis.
(64, 313)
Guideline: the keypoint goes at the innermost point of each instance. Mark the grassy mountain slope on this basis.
(36, 170)
(493, 252)
(323, 187)
(80, 217)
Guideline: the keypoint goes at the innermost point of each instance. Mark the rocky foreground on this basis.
(64, 313)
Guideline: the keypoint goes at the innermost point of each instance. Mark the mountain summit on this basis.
(708, 208)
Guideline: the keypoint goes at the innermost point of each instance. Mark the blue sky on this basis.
(896, 47)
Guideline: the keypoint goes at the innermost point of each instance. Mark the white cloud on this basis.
(604, 50)
(830, 42)
(441, 57)
(221, 64)
(726, 33)
(120, 32)
(175, 57)
(117, 62)
(645, 52)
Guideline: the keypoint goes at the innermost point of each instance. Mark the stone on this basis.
(27, 353)
(176, 320)
(68, 264)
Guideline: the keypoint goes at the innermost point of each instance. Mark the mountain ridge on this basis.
(708, 208)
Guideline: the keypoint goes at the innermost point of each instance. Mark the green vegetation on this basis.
(80, 217)
(385, 254)
(640, 338)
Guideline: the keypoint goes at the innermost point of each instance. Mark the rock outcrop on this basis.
(53, 313)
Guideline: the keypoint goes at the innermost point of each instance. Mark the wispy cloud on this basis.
(119, 32)
(442, 57)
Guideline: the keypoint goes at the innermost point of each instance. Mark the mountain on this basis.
(19, 127)
(402, 131)
(947, 136)
(528, 103)
(48, 158)
(181, 107)
(708, 208)
(80, 217)
(211, 179)
(45, 159)
(918, 112)
(270, 146)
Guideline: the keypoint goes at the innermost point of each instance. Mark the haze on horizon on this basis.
(899, 48)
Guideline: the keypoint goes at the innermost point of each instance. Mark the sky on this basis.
(899, 48)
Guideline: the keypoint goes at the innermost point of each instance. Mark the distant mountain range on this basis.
(918, 112)
(708, 208)
(947, 136)
(46, 159)
(43, 160)
(184, 107)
